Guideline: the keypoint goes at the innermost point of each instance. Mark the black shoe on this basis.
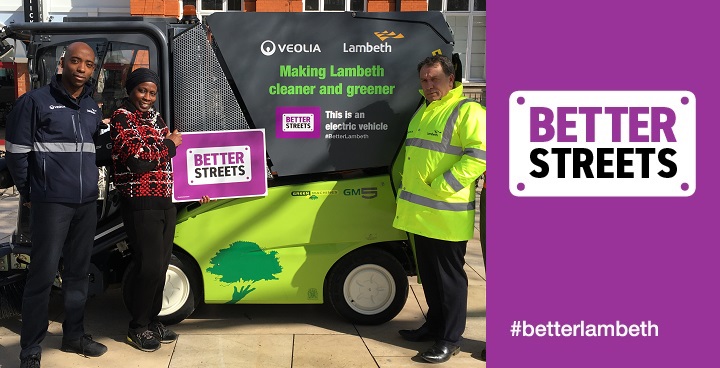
(145, 341)
(162, 333)
(84, 345)
(421, 334)
(31, 361)
(482, 356)
(441, 352)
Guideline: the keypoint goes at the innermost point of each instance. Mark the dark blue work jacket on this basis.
(49, 143)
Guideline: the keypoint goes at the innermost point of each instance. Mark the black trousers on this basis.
(58, 229)
(445, 284)
(151, 235)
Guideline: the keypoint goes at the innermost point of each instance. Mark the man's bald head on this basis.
(78, 65)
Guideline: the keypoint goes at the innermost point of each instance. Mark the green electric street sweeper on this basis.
(331, 92)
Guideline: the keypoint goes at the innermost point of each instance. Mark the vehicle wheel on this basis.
(182, 293)
(367, 286)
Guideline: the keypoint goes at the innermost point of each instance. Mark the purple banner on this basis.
(225, 164)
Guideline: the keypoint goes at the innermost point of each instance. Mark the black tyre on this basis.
(183, 289)
(367, 286)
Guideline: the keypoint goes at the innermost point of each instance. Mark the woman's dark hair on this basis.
(443, 60)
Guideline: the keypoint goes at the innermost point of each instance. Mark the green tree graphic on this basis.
(244, 261)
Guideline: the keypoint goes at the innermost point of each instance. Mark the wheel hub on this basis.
(369, 289)
(176, 291)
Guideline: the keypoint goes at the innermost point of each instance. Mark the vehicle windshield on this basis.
(115, 61)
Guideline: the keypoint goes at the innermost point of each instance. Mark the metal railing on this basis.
(478, 96)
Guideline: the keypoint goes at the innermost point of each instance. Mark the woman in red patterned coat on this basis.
(142, 148)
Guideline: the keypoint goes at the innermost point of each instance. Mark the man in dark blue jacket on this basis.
(51, 156)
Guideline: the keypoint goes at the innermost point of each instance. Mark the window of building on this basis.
(468, 25)
(212, 4)
(207, 7)
(335, 5)
(457, 5)
(234, 5)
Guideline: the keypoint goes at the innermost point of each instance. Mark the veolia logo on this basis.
(267, 48)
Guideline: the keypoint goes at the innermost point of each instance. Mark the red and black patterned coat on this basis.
(141, 153)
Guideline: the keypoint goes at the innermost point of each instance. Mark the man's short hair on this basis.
(444, 61)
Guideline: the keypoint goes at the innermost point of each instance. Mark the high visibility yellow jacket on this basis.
(444, 155)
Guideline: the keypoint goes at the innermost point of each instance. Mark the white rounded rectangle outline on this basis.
(602, 130)
(298, 122)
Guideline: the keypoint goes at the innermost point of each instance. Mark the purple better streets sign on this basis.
(225, 164)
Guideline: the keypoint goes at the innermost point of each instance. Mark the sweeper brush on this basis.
(11, 293)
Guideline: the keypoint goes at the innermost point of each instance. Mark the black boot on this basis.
(441, 352)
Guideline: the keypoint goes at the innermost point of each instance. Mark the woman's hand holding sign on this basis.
(176, 137)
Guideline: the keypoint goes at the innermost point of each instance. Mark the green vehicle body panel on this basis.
(279, 248)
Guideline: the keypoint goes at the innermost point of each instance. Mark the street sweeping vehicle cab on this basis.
(332, 94)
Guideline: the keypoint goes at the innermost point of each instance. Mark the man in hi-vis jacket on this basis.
(51, 157)
(444, 156)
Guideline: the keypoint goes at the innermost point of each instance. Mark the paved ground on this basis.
(254, 335)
